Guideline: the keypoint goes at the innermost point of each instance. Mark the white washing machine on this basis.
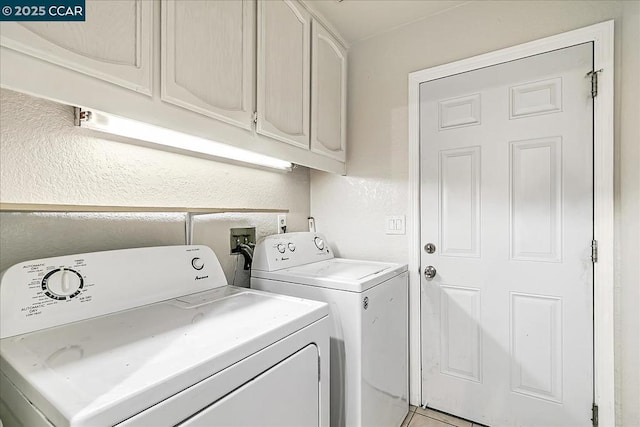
(155, 337)
(369, 322)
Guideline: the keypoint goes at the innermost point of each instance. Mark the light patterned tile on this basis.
(443, 417)
(422, 421)
(412, 408)
(407, 419)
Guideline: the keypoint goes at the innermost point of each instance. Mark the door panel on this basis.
(208, 53)
(328, 94)
(506, 197)
(535, 199)
(115, 43)
(536, 346)
(459, 196)
(284, 71)
(460, 336)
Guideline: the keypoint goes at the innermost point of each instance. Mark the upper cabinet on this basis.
(208, 57)
(328, 94)
(266, 76)
(114, 44)
(284, 62)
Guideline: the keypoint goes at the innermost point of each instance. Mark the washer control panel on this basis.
(319, 242)
(289, 250)
(53, 291)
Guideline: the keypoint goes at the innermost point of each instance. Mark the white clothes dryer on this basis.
(369, 322)
(155, 337)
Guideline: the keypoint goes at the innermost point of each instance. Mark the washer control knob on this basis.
(292, 247)
(197, 263)
(62, 284)
(281, 248)
(319, 243)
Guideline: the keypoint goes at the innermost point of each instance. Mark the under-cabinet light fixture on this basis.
(183, 142)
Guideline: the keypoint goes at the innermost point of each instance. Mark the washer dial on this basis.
(62, 284)
(281, 248)
(319, 243)
(291, 247)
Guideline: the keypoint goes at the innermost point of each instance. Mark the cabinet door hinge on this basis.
(255, 117)
(594, 81)
(80, 115)
(594, 251)
(594, 415)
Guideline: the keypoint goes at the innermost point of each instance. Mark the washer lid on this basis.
(104, 370)
(337, 273)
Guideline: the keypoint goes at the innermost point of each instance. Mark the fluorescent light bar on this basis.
(115, 125)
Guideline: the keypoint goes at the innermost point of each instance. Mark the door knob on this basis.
(429, 248)
(430, 272)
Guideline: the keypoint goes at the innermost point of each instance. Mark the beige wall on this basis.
(627, 207)
(351, 210)
(44, 158)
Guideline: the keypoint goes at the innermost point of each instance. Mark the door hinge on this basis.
(255, 117)
(594, 251)
(594, 81)
(594, 415)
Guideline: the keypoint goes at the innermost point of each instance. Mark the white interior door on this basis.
(507, 200)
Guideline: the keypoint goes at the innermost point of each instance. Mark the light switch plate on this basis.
(396, 224)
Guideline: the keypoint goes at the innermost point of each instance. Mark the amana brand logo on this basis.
(201, 277)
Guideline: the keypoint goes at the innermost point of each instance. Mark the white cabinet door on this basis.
(284, 30)
(208, 56)
(114, 44)
(328, 94)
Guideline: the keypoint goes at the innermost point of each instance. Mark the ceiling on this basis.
(357, 20)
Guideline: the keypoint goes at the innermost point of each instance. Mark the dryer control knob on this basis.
(197, 263)
(292, 247)
(319, 243)
(62, 284)
(281, 248)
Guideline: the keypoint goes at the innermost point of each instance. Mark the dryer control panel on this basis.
(50, 292)
(288, 250)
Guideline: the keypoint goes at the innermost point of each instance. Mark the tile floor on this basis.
(418, 417)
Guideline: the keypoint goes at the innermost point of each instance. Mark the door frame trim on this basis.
(602, 36)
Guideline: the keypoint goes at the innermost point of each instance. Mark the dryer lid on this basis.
(104, 370)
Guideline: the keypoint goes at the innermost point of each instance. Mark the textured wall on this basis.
(44, 158)
(40, 235)
(627, 208)
(377, 164)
